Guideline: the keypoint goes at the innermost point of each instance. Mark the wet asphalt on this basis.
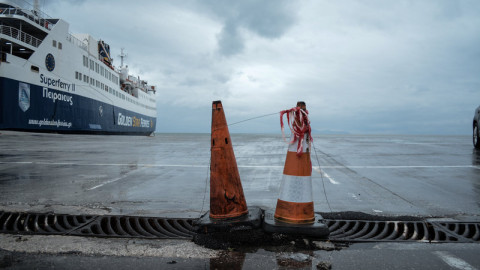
(167, 176)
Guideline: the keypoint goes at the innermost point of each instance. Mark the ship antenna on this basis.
(122, 55)
(36, 7)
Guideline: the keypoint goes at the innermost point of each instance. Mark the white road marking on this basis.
(410, 166)
(116, 179)
(331, 179)
(105, 183)
(107, 164)
(239, 166)
(453, 261)
(17, 162)
(322, 172)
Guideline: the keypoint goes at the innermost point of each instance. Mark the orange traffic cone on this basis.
(226, 192)
(295, 202)
(294, 212)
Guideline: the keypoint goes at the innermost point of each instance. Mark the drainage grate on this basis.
(463, 231)
(139, 227)
(375, 231)
(163, 228)
(100, 226)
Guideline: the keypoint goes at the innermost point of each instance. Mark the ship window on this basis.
(59, 45)
(91, 64)
(96, 67)
(35, 69)
(85, 61)
(54, 43)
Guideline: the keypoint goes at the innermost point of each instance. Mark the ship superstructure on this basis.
(54, 81)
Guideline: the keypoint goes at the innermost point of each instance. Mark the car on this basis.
(476, 132)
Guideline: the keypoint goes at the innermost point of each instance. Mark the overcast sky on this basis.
(362, 67)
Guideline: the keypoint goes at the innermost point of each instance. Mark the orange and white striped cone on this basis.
(295, 202)
(294, 213)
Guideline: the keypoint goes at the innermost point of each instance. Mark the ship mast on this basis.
(36, 7)
(122, 55)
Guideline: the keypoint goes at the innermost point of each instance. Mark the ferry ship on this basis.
(55, 81)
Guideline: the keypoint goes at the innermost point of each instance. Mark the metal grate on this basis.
(164, 228)
(100, 226)
(375, 231)
(463, 231)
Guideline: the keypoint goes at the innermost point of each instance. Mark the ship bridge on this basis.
(22, 30)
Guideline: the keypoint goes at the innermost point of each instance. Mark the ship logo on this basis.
(24, 96)
(50, 62)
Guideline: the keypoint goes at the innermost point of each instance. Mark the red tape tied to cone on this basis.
(299, 125)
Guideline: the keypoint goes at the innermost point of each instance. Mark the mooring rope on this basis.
(323, 180)
(253, 118)
(298, 129)
(206, 184)
(209, 163)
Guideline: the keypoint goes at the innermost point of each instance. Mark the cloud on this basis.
(230, 41)
(362, 66)
(267, 19)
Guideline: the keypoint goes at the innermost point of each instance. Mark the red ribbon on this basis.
(299, 125)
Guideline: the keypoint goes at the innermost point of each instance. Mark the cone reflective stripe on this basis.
(226, 192)
(295, 202)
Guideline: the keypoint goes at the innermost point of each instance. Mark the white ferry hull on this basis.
(54, 81)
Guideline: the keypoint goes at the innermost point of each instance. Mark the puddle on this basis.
(258, 250)
(264, 259)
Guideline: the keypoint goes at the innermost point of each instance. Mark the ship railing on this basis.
(20, 35)
(77, 42)
(37, 17)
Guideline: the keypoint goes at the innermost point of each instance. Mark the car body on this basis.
(476, 132)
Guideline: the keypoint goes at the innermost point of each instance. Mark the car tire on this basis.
(476, 136)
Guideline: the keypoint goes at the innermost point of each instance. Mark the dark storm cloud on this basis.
(362, 66)
(230, 41)
(268, 19)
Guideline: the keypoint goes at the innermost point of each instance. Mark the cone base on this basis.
(228, 216)
(295, 213)
(252, 219)
(317, 229)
